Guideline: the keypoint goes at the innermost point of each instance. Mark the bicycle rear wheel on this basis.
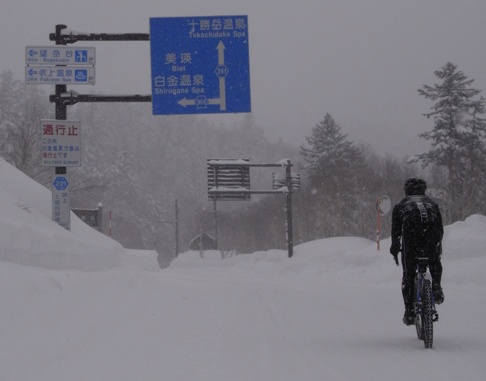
(428, 315)
(419, 321)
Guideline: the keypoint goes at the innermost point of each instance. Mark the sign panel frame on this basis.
(200, 65)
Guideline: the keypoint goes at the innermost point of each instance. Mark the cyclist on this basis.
(412, 242)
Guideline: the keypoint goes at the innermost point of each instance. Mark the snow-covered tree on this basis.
(335, 171)
(21, 109)
(330, 156)
(457, 140)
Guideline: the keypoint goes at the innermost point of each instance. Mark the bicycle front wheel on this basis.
(428, 315)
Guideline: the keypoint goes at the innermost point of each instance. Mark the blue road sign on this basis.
(200, 65)
(60, 183)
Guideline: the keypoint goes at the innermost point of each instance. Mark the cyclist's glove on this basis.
(394, 250)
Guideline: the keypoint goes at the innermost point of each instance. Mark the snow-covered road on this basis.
(330, 314)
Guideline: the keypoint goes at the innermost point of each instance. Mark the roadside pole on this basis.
(290, 235)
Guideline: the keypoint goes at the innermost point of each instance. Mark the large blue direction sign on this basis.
(200, 65)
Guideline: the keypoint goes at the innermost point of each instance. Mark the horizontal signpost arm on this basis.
(66, 37)
(226, 165)
(71, 98)
(216, 191)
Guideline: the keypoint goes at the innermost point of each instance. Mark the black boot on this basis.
(409, 317)
(438, 293)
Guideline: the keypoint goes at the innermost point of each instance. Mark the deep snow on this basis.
(78, 306)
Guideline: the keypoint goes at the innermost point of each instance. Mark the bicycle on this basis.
(425, 312)
(424, 304)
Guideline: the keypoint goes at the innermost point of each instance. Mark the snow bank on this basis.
(28, 235)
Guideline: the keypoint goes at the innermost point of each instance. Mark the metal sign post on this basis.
(288, 207)
(224, 185)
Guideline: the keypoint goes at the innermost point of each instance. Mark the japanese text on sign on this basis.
(56, 75)
(59, 55)
(61, 144)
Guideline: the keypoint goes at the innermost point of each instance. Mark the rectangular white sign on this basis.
(59, 55)
(61, 211)
(61, 143)
(59, 75)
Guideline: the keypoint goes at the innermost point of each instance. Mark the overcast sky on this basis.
(362, 61)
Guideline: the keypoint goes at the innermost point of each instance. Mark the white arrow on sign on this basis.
(201, 101)
(221, 71)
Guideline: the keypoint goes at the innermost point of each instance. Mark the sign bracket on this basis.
(73, 37)
(71, 98)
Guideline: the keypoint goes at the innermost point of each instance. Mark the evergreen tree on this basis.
(334, 165)
(457, 140)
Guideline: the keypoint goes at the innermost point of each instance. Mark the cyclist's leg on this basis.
(435, 267)
(436, 271)
(409, 263)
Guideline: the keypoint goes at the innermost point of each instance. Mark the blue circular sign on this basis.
(60, 183)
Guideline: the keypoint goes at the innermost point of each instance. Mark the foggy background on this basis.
(360, 61)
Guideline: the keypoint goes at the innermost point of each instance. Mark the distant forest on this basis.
(137, 165)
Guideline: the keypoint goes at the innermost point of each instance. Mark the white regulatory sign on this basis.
(61, 143)
(59, 55)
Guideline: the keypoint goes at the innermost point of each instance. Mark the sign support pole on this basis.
(176, 229)
(215, 214)
(61, 108)
(290, 236)
(61, 114)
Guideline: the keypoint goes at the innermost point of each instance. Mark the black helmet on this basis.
(415, 186)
